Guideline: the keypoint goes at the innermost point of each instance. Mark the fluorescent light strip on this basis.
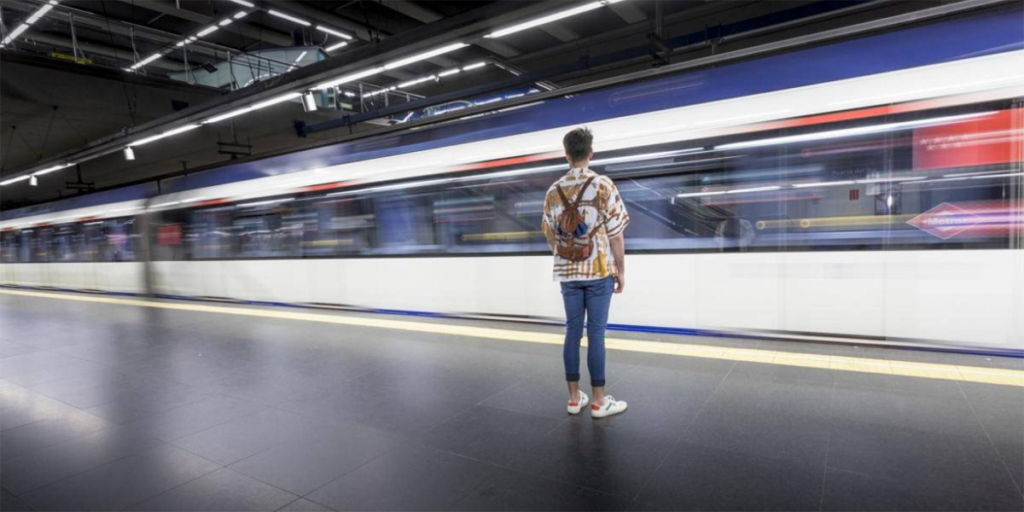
(391, 65)
(424, 56)
(225, 22)
(32, 19)
(55, 168)
(243, 2)
(335, 47)
(39, 14)
(208, 31)
(145, 61)
(280, 99)
(284, 16)
(257, 106)
(333, 32)
(847, 132)
(169, 133)
(450, 72)
(301, 55)
(349, 78)
(15, 33)
(548, 19)
(417, 81)
(474, 66)
(14, 180)
(240, 15)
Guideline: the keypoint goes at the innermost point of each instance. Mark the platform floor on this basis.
(117, 403)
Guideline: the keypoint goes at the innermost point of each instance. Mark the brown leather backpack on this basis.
(574, 242)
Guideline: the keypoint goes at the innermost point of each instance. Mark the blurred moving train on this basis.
(868, 190)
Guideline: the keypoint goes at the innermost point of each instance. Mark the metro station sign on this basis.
(945, 221)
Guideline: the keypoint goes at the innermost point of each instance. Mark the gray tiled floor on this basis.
(106, 407)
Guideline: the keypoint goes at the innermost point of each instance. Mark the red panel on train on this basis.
(984, 141)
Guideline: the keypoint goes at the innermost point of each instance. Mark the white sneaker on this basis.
(577, 406)
(610, 408)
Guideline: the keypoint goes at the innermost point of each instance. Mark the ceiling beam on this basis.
(628, 12)
(269, 36)
(122, 28)
(125, 55)
(427, 16)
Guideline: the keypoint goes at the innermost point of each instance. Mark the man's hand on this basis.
(620, 283)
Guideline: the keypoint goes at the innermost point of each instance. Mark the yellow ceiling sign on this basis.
(63, 56)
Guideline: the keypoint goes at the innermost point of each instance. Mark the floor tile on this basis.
(26, 439)
(304, 505)
(243, 437)
(613, 461)
(701, 478)
(409, 478)
(122, 483)
(221, 490)
(494, 435)
(195, 417)
(846, 491)
(513, 491)
(43, 467)
(304, 465)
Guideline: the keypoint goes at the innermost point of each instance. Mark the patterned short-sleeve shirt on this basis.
(602, 206)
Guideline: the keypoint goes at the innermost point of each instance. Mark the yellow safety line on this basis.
(827, 362)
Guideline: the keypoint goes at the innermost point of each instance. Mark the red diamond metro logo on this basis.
(945, 221)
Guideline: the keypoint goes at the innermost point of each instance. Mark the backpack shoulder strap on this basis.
(583, 190)
(561, 194)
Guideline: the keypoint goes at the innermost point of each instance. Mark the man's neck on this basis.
(579, 165)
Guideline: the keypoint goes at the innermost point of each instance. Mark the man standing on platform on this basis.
(584, 221)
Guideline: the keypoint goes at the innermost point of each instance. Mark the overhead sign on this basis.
(64, 56)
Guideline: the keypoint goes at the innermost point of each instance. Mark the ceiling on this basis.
(79, 75)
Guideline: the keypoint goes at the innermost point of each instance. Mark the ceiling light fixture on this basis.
(474, 66)
(240, 15)
(226, 22)
(284, 16)
(243, 2)
(550, 18)
(333, 32)
(168, 133)
(129, 153)
(48, 170)
(33, 181)
(450, 72)
(145, 61)
(391, 65)
(411, 83)
(309, 102)
(335, 47)
(32, 19)
(208, 31)
(13, 180)
(257, 106)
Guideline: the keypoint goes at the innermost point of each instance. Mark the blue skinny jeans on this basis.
(587, 300)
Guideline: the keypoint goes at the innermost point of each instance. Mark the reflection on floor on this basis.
(113, 405)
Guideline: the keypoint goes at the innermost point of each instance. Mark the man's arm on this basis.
(618, 246)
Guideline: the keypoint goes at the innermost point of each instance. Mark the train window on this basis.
(949, 179)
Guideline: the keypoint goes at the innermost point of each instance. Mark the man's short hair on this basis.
(579, 144)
